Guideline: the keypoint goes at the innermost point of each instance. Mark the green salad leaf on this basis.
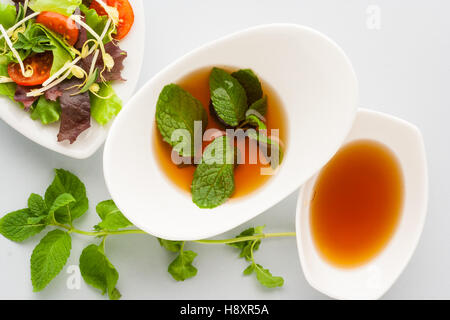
(95, 21)
(7, 15)
(248, 79)
(6, 89)
(65, 7)
(213, 181)
(228, 97)
(49, 257)
(61, 51)
(178, 109)
(98, 271)
(103, 110)
(46, 111)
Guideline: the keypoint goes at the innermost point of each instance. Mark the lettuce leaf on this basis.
(96, 22)
(6, 89)
(103, 110)
(66, 7)
(46, 111)
(61, 52)
(7, 15)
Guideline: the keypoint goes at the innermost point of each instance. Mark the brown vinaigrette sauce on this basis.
(247, 176)
(357, 203)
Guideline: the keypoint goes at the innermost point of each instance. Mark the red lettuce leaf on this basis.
(75, 111)
(21, 96)
(116, 53)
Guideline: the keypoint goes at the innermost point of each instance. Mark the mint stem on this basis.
(135, 231)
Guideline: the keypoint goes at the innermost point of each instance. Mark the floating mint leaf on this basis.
(248, 79)
(228, 97)
(181, 268)
(255, 121)
(268, 143)
(260, 106)
(112, 218)
(213, 180)
(67, 182)
(98, 272)
(49, 257)
(177, 109)
(16, 227)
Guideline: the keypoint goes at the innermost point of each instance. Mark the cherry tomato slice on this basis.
(126, 15)
(41, 64)
(61, 24)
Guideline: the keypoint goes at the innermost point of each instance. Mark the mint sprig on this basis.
(65, 201)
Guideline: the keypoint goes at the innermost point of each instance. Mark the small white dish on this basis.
(90, 140)
(374, 278)
(318, 89)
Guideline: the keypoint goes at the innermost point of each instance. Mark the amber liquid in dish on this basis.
(357, 203)
(247, 176)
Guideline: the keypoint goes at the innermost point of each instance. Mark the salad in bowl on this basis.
(58, 59)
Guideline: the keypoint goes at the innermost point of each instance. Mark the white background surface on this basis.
(403, 69)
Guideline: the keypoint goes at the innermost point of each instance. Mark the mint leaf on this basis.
(246, 246)
(213, 181)
(62, 202)
(249, 270)
(177, 109)
(37, 205)
(248, 79)
(67, 182)
(49, 257)
(266, 278)
(174, 246)
(112, 218)
(268, 143)
(228, 97)
(98, 272)
(260, 106)
(15, 226)
(255, 121)
(103, 110)
(181, 268)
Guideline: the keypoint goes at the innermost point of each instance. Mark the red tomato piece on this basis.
(126, 15)
(41, 64)
(60, 24)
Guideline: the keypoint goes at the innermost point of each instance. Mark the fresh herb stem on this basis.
(135, 231)
(249, 238)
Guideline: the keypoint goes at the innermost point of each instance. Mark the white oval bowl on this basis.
(90, 140)
(318, 89)
(373, 279)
